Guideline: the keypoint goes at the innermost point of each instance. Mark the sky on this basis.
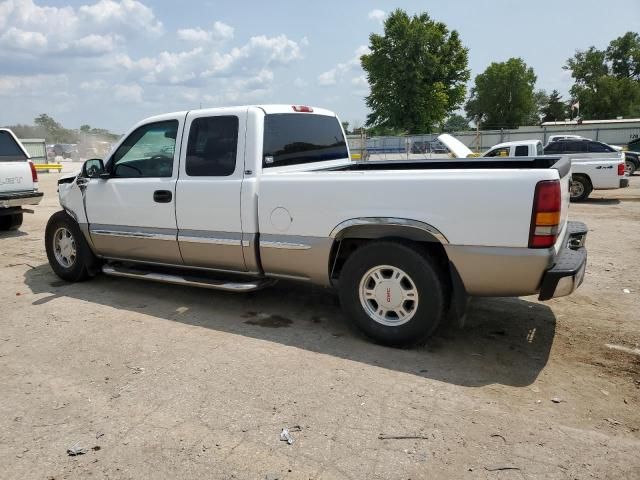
(111, 63)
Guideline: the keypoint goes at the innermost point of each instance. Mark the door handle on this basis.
(162, 196)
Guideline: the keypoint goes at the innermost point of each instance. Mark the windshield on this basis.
(294, 138)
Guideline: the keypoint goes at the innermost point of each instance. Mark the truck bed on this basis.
(478, 164)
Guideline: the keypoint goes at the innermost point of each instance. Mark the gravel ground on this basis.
(160, 381)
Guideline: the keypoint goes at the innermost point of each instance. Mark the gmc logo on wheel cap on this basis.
(388, 295)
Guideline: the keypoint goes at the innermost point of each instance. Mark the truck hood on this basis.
(455, 146)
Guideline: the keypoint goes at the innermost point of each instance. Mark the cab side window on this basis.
(498, 152)
(212, 147)
(522, 151)
(147, 152)
(575, 147)
(597, 147)
(555, 147)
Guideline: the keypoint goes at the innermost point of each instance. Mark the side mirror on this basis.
(93, 168)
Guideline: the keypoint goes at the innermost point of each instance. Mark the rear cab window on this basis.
(10, 151)
(522, 151)
(299, 138)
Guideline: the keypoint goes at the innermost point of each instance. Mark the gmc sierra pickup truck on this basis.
(18, 181)
(235, 198)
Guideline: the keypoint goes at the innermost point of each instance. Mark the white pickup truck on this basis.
(594, 165)
(18, 181)
(234, 198)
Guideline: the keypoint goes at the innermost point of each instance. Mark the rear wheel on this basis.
(67, 251)
(630, 167)
(393, 292)
(580, 188)
(10, 222)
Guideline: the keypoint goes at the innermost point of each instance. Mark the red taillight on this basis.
(34, 174)
(545, 218)
(302, 108)
(621, 168)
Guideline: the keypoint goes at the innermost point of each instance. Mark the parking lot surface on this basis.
(162, 381)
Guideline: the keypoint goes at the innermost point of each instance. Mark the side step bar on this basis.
(185, 279)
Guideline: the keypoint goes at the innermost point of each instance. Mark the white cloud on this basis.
(332, 76)
(360, 81)
(300, 83)
(219, 32)
(93, 85)
(222, 31)
(125, 14)
(23, 40)
(194, 35)
(32, 86)
(327, 78)
(377, 15)
(128, 93)
(91, 30)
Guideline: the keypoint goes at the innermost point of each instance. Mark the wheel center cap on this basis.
(389, 294)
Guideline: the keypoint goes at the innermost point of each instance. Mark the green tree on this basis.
(623, 54)
(417, 72)
(555, 109)
(607, 82)
(345, 127)
(503, 96)
(455, 123)
(85, 128)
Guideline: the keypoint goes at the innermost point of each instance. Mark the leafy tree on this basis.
(607, 82)
(540, 99)
(417, 72)
(54, 132)
(345, 127)
(455, 123)
(85, 128)
(555, 109)
(502, 96)
(624, 55)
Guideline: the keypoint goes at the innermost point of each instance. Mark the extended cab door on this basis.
(131, 213)
(209, 187)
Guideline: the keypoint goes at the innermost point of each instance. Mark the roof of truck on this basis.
(517, 142)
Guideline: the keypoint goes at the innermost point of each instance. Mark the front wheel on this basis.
(630, 167)
(67, 250)
(393, 292)
(580, 188)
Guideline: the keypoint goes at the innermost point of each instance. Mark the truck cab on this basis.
(526, 148)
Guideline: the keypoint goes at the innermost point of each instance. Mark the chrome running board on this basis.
(188, 279)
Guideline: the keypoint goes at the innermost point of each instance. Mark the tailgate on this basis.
(15, 177)
(15, 171)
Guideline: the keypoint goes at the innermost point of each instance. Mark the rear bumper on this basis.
(10, 200)
(568, 271)
(624, 182)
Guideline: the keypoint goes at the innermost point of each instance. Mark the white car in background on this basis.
(594, 165)
(18, 181)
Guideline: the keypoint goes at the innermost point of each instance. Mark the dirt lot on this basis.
(159, 381)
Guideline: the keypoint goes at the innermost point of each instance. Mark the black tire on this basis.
(630, 166)
(10, 222)
(582, 188)
(84, 263)
(422, 271)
